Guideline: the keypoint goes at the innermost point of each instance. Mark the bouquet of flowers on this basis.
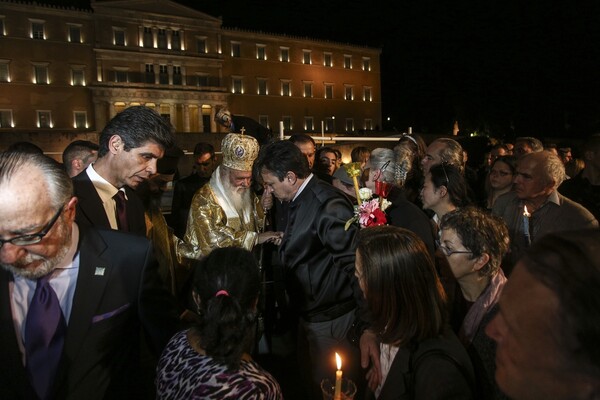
(370, 212)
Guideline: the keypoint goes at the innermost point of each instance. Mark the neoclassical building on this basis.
(65, 72)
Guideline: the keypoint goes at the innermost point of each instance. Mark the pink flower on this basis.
(369, 214)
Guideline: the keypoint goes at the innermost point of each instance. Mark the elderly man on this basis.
(443, 150)
(78, 155)
(130, 145)
(548, 325)
(535, 208)
(318, 254)
(71, 302)
(225, 212)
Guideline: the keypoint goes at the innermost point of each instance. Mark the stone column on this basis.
(186, 118)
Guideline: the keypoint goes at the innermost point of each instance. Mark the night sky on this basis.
(506, 68)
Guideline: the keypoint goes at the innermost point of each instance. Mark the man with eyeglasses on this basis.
(535, 208)
(71, 302)
(205, 162)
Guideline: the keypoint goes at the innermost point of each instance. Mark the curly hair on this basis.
(480, 233)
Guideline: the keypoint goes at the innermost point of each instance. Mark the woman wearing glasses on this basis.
(421, 358)
(500, 178)
(474, 243)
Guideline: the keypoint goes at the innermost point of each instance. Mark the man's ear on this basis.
(291, 177)
(115, 144)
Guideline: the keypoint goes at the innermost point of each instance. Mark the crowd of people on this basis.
(480, 284)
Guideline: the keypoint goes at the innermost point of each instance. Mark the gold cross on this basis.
(243, 130)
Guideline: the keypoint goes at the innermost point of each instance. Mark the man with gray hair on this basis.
(72, 301)
(443, 150)
(535, 208)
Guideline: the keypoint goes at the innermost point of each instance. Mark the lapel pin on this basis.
(99, 271)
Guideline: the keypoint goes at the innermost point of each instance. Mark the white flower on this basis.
(365, 193)
(385, 204)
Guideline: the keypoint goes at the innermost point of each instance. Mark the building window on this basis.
(309, 124)
(237, 85)
(236, 49)
(262, 86)
(306, 57)
(367, 94)
(119, 37)
(308, 92)
(286, 88)
(348, 92)
(328, 91)
(261, 52)
(177, 77)
(163, 74)
(329, 124)
(121, 76)
(347, 61)
(175, 40)
(6, 120)
(44, 119)
(366, 63)
(349, 125)
(263, 120)
(202, 80)
(80, 119)
(148, 37)
(74, 33)
(40, 74)
(287, 122)
(161, 38)
(149, 75)
(4, 71)
(37, 30)
(77, 77)
(284, 54)
(327, 59)
(368, 124)
(201, 45)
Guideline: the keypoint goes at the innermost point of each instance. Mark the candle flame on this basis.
(338, 361)
(525, 212)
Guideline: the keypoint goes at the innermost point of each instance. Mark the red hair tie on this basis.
(222, 293)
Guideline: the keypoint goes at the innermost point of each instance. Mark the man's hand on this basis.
(369, 352)
(270, 237)
(266, 200)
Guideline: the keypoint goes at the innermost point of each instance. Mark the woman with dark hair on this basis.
(211, 360)
(474, 243)
(500, 178)
(444, 190)
(421, 358)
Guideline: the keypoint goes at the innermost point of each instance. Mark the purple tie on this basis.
(121, 211)
(45, 329)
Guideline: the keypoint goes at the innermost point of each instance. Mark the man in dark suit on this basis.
(71, 302)
(129, 147)
(318, 255)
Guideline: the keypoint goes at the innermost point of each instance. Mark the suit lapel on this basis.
(90, 204)
(94, 272)
(395, 385)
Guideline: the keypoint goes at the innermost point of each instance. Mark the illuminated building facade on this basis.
(67, 71)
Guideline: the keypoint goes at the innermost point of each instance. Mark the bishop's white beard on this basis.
(239, 197)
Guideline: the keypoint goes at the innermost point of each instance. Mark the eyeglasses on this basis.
(447, 252)
(34, 238)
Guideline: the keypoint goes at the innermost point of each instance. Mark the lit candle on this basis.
(337, 394)
(526, 216)
(280, 130)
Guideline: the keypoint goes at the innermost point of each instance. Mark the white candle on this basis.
(526, 216)
(337, 394)
(280, 130)
(410, 130)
